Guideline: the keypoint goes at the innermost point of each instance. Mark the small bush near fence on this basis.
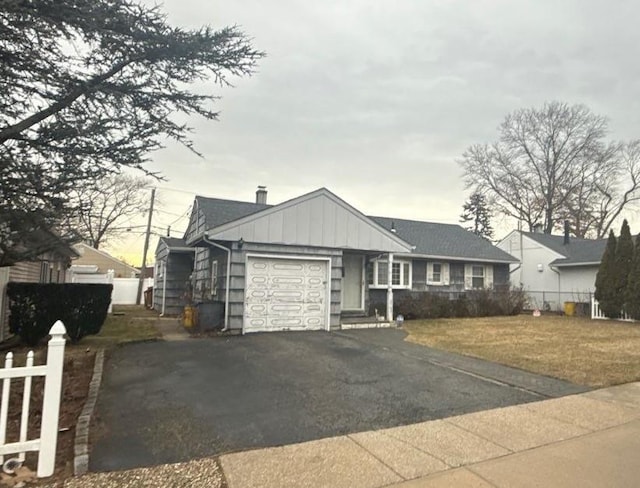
(82, 307)
(476, 303)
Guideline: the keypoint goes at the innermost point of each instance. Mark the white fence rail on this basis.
(598, 314)
(52, 372)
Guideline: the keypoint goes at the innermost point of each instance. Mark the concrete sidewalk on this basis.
(590, 439)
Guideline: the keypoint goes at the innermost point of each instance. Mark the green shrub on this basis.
(503, 300)
(35, 307)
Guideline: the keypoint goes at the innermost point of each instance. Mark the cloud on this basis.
(377, 99)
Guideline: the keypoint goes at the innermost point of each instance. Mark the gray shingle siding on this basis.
(378, 296)
(178, 267)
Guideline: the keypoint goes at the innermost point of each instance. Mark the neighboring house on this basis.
(49, 267)
(310, 261)
(173, 268)
(101, 262)
(554, 269)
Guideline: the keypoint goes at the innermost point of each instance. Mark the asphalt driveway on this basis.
(167, 402)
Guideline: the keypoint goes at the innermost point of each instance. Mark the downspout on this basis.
(164, 286)
(555, 270)
(390, 288)
(227, 280)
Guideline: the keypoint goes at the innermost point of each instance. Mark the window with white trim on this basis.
(214, 277)
(477, 277)
(400, 274)
(437, 273)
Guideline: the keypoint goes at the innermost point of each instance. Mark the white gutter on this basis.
(227, 281)
(454, 258)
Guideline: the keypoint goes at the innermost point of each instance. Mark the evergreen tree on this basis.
(89, 89)
(605, 282)
(622, 266)
(476, 210)
(632, 302)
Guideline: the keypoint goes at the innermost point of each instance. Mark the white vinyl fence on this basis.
(598, 314)
(52, 372)
(125, 290)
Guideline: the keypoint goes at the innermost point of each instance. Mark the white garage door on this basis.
(285, 294)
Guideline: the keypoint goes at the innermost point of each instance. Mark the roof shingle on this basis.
(578, 251)
(218, 211)
(446, 240)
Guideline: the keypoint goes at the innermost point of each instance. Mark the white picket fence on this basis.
(598, 314)
(52, 372)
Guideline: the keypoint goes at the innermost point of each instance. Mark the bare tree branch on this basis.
(552, 164)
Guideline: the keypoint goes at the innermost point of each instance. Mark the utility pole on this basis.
(143, 271)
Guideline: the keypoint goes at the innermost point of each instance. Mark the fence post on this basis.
(110, 275)
(51, 401)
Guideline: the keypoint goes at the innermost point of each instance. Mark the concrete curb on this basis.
(81, 445)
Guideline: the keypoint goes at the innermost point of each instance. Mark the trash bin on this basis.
(570, 308)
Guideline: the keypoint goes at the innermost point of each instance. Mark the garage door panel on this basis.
(285, 294)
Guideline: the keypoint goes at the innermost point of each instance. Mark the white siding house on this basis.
(554, 269)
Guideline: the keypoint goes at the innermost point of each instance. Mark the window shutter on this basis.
(468, 280)
(445, 274)
(429, 273)
(488, 280)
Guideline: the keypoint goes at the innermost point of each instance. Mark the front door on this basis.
(352, 282)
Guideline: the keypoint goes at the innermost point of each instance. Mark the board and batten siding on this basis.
(320, 220)
(237, 281)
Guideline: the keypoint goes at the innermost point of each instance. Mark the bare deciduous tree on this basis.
(102, 209)
(553, 163)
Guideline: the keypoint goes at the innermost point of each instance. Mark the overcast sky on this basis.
(376, 100)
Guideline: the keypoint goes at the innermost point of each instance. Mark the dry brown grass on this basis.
(584, 351)
(128, 323)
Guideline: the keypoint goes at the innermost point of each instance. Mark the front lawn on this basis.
(583, 351)
(128, 323)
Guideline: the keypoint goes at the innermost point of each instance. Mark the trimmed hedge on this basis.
(502, 300)
(35, 307)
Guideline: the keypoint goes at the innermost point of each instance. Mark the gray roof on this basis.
(218, 211)
(577, 252)
(173, 241)
(174, 244)
(445, 240)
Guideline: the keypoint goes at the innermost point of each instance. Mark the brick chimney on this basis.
(261, 195)
(567, 239)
